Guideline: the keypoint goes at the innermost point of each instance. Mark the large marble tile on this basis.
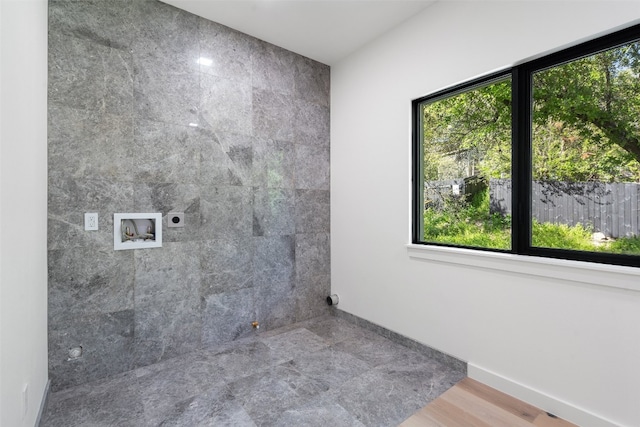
(70, 233)
(368, 346)
(168, 274)
(426, 376)
(165, 153)
(87, 75)
(312, 167)
(273, 212)
(228, 316)
(184, 378)
(273, 163)
(166, 329)
(216, 407)
(378, 400)
(115, 401)
(311, 124)
(171, 197)
(165, 91)
(168, 366)
(242, 358)
(273, 68)
(69, 199)
(107, 345)
(412, 352)
(311, 296)
(312, 81)
(265, 396)
(275, 303)
(225, 105)
(307, 387)
(228, 50)
(226, 264)
(101, 283)
(165, 34)
(335, 330)
(87, 144)
(329, 366)
(294, 344)
(226, 211)
(225, 158)
(312, 211)
(273, 115)
(313, 257)
(105, 23)
(264, 334)
(168, 320)
(274, 259)
(362, 323)
(317, 413)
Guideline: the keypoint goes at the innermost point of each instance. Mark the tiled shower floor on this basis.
(322, 372)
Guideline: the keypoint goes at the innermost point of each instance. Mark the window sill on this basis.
(613, 276)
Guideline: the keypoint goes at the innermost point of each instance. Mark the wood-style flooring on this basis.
(473, 404)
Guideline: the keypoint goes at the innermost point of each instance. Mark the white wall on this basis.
(23, 209)
(566, 345)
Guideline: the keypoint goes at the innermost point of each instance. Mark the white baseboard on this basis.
(548, 403)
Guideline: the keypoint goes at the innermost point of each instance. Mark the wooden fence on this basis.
(613, 209)
(437, 192)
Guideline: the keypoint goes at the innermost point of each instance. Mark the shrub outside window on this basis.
(542, 159)
(466, 144)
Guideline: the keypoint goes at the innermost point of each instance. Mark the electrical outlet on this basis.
(91, 221)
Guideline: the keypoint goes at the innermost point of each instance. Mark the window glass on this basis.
(466, 167)
(585, 157)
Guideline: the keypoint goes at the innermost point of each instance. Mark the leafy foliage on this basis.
(600, 92)
(471, 224)
(468, 223)
(586, 123)
(585, 128)
(474, 124)
(561, 153)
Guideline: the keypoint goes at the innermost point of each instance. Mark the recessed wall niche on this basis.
(137, 231)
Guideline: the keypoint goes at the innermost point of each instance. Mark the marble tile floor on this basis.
(322, 372)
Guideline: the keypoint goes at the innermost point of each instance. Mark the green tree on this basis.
(600, 92)
(586, 122)
(474, 125)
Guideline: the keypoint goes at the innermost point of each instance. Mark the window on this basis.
(542, 159)
(466, 145)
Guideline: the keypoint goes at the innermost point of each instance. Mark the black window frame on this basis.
(521, 169)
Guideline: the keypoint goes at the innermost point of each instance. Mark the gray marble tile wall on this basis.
(137, 124)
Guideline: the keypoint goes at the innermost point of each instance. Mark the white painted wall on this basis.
(23, 209)
(566, 345)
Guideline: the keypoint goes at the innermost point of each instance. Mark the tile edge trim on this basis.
(444, 358)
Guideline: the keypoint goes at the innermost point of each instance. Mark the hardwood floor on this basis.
(473, 404)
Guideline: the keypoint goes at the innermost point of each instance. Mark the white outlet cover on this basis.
(91, 221)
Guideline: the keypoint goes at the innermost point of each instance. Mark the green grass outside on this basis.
(471, 224)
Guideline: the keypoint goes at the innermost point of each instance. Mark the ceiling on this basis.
(324, 30)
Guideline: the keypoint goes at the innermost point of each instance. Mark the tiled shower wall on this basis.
(241, 146)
